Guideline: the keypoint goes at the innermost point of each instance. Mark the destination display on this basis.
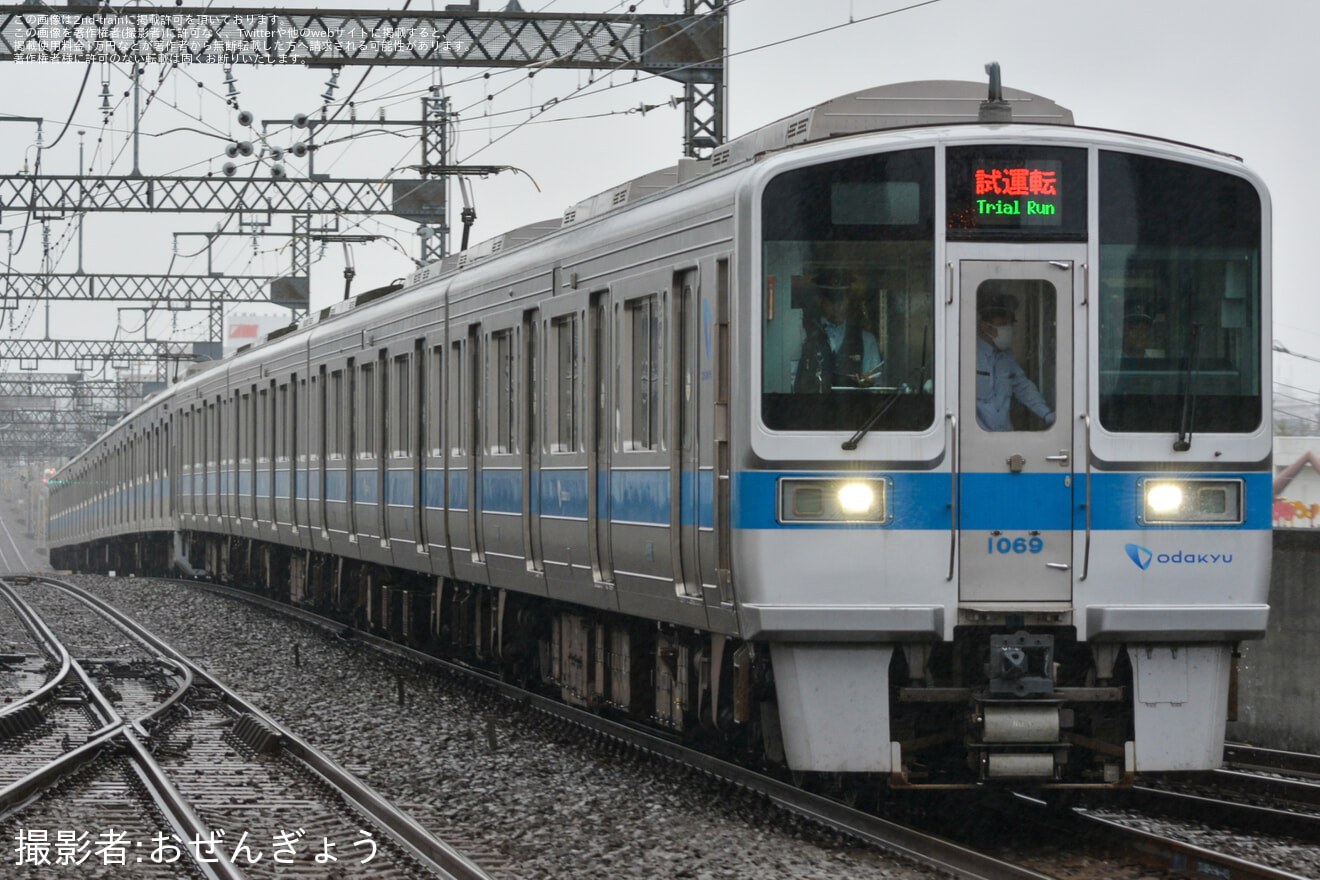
(1016, 191)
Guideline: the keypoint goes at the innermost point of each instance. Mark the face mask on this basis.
(1003, 337)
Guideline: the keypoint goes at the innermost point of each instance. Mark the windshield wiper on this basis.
(885, 406)
(888, 402)
(1184, 441)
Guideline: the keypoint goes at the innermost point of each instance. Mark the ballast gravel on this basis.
(546, 802)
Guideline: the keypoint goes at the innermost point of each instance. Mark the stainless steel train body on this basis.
(619, 454)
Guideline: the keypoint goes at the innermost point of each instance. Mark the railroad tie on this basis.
(256, 734)
(20, 721)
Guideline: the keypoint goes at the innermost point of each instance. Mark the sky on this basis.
(1240, 79)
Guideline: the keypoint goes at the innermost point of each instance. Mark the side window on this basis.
(566, 406)
(401, 409)
(245, 428)
(503, 421)
(283, 421)
(334, 416)
(645, 330)
(366, 411)
(457, 400)
(266, 426)
(434, 408)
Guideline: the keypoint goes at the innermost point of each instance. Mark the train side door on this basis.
(475, 439)
(599, 410)
(685, 469)
(421, 417)
(531, 440)
(1015, 431)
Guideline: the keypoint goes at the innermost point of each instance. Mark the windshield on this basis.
(1180, 250)
(847, 294)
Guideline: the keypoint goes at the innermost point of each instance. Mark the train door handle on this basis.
(1061, 458)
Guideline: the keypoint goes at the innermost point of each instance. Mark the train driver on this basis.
(837, 352)
(999, 378)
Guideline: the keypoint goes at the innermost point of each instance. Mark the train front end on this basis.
(1002, 488)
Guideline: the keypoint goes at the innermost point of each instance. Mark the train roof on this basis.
(900, 105)
(894, 106)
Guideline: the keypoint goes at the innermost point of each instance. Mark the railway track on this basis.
(1259, 791)
(216, 785)
(1128, 851)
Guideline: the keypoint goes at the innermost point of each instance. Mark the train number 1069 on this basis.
(1003, 544)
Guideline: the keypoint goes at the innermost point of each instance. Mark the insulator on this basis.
(331, 84)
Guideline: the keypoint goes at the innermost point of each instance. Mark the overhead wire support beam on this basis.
(22, 442)
(65, 386)
(169, 291)
(688, 48)
(673, 46)
(94, 349)
(409, 199)
(68, 420)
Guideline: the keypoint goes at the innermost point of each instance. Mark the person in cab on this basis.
(837, 351)
(999, 378)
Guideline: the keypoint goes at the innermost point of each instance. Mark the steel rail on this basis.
(47, 642)
(140, 724)
(1184, 858)
(952, 858)
(1170, 855)
(1299, 791)
(419, 842)
(1252, 757)
(1193, 805)
(116, 733)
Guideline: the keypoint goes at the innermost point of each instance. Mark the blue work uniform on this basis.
(998, 380)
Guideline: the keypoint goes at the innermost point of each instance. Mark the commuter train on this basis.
(921, 434)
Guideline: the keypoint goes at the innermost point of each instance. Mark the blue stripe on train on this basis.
(399, 487)
(998, 501)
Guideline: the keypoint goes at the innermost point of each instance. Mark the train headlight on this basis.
(1177, 502)
(850, 500)
(1164, 498)
(856, 498)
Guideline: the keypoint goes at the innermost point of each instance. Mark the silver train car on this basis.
(921, 434)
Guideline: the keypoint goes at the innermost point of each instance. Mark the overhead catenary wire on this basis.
(114, 155)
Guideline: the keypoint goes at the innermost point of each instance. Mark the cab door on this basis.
(1015, 431)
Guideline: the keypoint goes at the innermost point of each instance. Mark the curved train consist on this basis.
(916, 434)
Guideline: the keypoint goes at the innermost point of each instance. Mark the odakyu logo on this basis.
(1142, 558)
(1140, 555)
